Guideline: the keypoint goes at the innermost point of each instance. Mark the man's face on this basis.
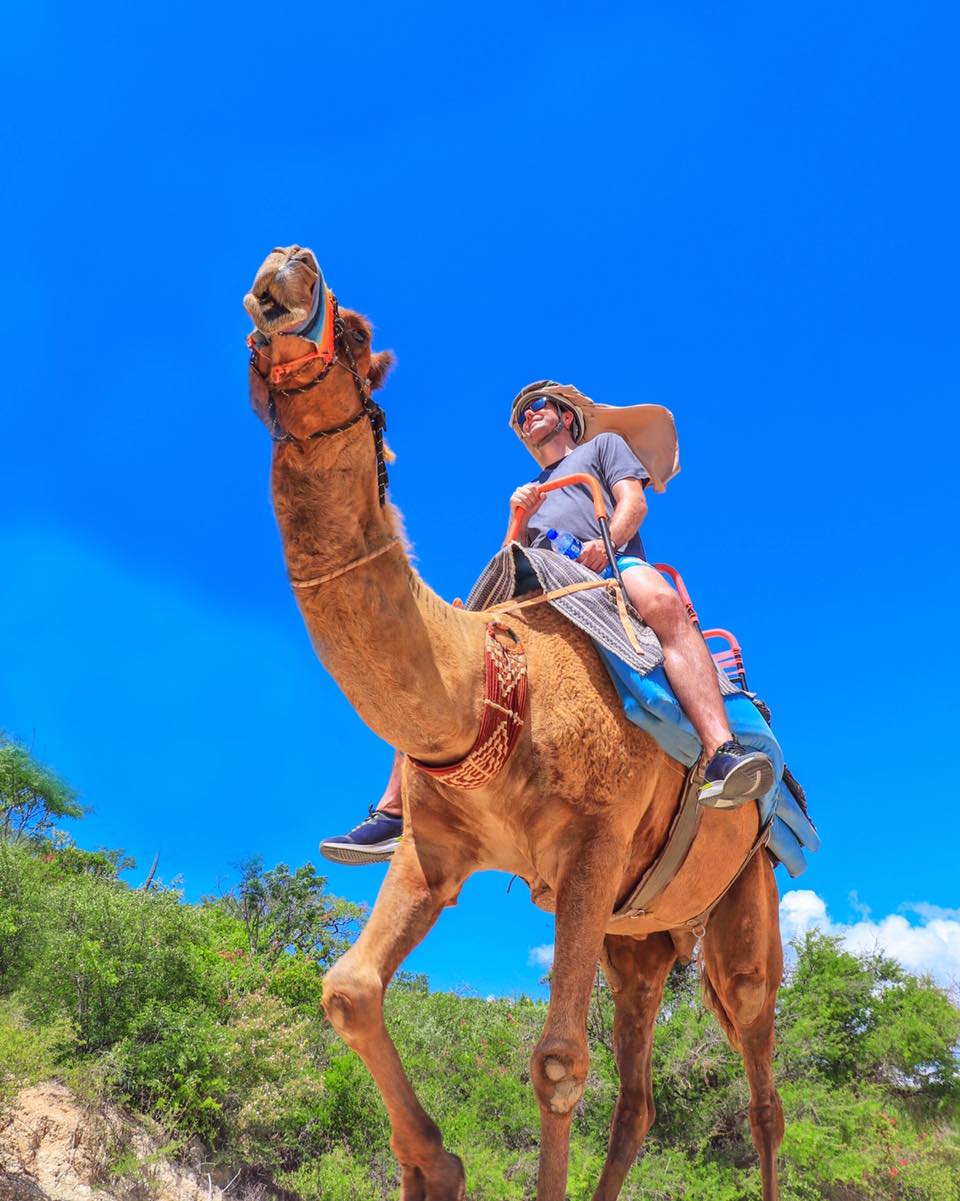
(539, 426)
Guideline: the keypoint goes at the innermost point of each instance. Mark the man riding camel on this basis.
(567, 434)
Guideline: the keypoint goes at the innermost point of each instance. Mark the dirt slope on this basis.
(55, 1148)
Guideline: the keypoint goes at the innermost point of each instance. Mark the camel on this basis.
(579, 810)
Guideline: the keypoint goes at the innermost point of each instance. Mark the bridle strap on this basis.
(369, 409)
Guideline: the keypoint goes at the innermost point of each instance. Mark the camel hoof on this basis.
(457, 1184)
(444, 1181)
(450, 1184)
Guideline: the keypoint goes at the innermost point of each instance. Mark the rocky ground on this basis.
(54, 1147)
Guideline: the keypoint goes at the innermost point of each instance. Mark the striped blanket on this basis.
(517, 569)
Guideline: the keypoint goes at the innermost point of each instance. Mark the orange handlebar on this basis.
(580, 477)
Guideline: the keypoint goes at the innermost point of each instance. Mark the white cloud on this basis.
(802, 910)
(925, 910)
(931, 946)
(542, 957)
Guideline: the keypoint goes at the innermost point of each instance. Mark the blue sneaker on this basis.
(373, 841)
(734, 776)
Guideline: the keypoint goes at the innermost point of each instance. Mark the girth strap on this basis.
(683, 830)
(680, 837)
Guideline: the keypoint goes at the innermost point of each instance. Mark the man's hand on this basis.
(594, 555)
(527, 499)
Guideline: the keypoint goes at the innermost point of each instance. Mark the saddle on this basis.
(634, 660)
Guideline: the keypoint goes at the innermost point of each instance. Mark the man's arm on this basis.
(628, 513)
(527, 500)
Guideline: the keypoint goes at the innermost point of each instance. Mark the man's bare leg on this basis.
(732, 774)
(686, 660)
(390, 801)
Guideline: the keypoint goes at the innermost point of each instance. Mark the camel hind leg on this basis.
(636, 970)
(416, 889)
(742, 967)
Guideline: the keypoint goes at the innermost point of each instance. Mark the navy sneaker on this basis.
(373, 841)
(734, 776)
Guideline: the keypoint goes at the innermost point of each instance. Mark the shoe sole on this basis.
(747, 782)
(339, 852)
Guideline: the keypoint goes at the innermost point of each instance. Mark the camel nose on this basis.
(284, 279)
(296, 281)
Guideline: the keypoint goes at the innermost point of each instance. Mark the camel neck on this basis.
(409, 663)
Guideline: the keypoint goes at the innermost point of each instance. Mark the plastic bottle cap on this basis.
(551, 534)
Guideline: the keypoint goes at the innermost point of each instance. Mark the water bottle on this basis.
(565, 544)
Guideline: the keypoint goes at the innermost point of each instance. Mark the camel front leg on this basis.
(636, 970)
(558, 1069)
(742, 967)
(416, 888)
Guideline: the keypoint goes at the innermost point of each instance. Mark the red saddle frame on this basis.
(730, 659)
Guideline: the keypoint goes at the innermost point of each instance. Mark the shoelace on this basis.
(375, 815)
(730, 748)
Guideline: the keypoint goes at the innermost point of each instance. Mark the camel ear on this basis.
(380, 364)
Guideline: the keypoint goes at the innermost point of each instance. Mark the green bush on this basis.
(102, 953)
(29, 1053)
(208, 1016)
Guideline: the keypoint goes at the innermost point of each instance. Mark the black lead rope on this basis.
(376, 416)
(611, 555)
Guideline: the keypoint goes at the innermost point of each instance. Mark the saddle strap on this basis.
(682, 832)
(504, 702)
(680, 836)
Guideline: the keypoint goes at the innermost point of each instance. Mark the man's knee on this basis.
(653, 598)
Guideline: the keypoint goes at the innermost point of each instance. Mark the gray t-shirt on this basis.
(609, 459)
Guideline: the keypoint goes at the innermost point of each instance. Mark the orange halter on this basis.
(319, 330)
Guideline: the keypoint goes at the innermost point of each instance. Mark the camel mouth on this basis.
(286, 291)
(272, 309)
(270, 315)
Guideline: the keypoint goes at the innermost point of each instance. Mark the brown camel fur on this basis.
(579, 811)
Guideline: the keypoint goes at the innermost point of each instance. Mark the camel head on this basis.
(311, 359)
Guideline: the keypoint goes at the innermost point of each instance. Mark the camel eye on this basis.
(359, 336)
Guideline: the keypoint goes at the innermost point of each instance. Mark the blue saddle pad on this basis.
(649, 703)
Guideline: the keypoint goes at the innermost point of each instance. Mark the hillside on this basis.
(193, 1033)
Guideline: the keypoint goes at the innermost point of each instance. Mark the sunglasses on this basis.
(535, 406)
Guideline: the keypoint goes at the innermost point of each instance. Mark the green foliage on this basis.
(28, 1053)
(335, 1176)
(72, 860)
(282, 911)
(101, 954)
(208, 1016)
(32, 797)
(910, 1044)
(862, 1018)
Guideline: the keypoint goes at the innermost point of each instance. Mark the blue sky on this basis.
(748, 215)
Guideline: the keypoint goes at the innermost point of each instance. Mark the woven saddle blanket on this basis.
(517, 569)
(645, 692)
